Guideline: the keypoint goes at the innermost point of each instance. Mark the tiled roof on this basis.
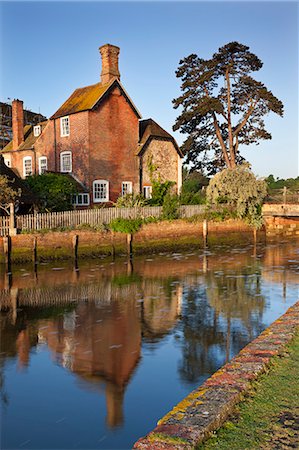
(82, 99)
(29, 138)
(87, 98)
(148, 130)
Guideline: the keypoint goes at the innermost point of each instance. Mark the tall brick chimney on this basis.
(17, 123)
(109, 54)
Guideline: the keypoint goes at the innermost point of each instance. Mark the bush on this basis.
(128, 226)
(130, 201)
(53, 190)
(170, 208)
(240, 189)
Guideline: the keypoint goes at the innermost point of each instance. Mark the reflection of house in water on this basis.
(99, 338)
(98, 342)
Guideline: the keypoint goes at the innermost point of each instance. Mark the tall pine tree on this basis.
(222, 107)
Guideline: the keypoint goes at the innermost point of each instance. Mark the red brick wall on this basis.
(113, 138)
(77, 142)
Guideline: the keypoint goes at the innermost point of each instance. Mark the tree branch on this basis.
(229, 123)
(245, 119)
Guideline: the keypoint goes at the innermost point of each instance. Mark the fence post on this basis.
(7, 251)
(12, 224)
(284, 195)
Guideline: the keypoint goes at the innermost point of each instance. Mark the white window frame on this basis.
(64, 126)
(41, 160)
(84, 196)
(26, 172)
(147, 192)
(37, 130)
(126, 188)
(7, 162)
(98, 199)
(62, 167)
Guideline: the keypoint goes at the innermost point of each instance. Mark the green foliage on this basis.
(291, 184)
(131, 201)
(222, 106)
(7, 193)
(53, 190)
(241, 190)
(159, 191)
(128, 226)
(192, 192)
(170, 208)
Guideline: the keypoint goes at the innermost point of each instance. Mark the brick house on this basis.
(98, 137)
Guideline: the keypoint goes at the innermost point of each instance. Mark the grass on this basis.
(269, 417)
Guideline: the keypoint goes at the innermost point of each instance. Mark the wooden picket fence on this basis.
(4, 225)
(91, 217)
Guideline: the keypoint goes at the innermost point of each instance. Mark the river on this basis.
(92, 355)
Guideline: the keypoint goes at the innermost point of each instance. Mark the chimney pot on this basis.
(110, 71)
(17, 123)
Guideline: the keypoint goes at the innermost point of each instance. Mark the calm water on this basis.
(92, 356)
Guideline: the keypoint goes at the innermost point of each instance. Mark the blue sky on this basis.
(48, 49)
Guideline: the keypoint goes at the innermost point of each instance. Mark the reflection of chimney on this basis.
(17, 123)
(109, 54)
(114, 402)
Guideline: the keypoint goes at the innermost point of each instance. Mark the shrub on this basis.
(240, 189)
(53, 190)
(170, 209)
(128, 226)
(130, 201)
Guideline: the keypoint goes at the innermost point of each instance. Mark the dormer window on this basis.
(64, 126)
(37, 130)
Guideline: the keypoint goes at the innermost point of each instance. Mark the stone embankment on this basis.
(206, 408)
(152, 237)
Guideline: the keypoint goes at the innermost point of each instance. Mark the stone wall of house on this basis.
(162, 155)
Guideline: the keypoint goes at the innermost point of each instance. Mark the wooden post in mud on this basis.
(75, 244)
(130, 244)
(254, 235)
(34, 249)
(113, 247)
(205, 233)
(7, 252)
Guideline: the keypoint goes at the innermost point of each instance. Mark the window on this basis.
(27, 166)
(81, 199)
(37, 130)
(66, 162)
(42, 165)
(100, 191)
(65, 126)
(7, 162)
(147, 191)
(126, 188)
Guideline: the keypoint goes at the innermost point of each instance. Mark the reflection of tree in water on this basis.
(219, 320)
(199, 324)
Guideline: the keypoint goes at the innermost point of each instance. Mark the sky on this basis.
(48, 49)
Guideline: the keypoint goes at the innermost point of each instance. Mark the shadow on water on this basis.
(112, 323)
